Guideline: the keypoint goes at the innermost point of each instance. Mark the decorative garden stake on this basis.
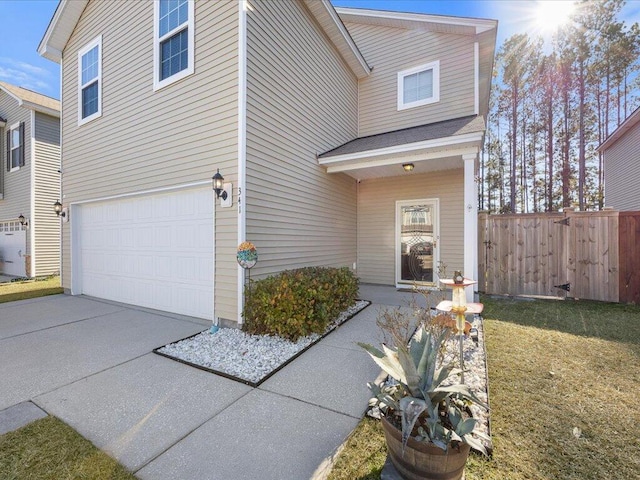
(247, 258)
(459, 307)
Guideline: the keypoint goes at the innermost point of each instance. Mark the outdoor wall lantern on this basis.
(407, 167)
(218, 185)
(57, 207)
(23, 221)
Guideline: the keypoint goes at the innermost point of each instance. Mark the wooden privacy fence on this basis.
(587, 255)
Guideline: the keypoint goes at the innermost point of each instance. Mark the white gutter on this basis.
(404, 148)
(242, 144)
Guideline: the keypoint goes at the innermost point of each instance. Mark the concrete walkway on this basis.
(89, 363)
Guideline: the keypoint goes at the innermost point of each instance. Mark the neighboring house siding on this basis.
(47, 191)
(148, 140)
(391, 50)
(622, 172)
(302, 100)
(486, 45)
(17, 184)
(377, 216)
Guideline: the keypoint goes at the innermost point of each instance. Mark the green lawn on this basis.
(48, 449)
(12, 291)
(564, 382)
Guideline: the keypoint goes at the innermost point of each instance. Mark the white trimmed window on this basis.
(90, 81)
(173, 44)
(419, 85)
(15, 147)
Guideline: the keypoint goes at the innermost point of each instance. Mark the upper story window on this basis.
(15, 147)
(173, 41)
(90, 81)
(419, 85)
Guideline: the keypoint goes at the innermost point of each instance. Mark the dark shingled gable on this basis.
(421, 133)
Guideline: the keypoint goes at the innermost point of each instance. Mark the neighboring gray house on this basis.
(622, 165)
(29, 182)
(346, 137)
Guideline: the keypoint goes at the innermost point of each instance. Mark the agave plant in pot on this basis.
(427, 424)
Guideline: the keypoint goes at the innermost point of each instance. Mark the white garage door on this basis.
(155, 251)
(13, 242)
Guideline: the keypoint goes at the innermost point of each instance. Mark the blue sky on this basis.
(25, 21)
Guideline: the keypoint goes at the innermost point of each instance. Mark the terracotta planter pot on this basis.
(424, 461)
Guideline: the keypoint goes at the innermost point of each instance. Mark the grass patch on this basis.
(48, 449)
(564, 379)
(12, 291)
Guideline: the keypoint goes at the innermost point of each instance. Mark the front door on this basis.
(417, 242)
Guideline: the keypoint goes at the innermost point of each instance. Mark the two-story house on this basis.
(345, 137)
(29, 182)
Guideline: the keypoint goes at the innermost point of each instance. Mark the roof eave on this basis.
(40, 108)
(480, 24)
(404, 148)
(60, 28)
(339, 36)
(624, 127)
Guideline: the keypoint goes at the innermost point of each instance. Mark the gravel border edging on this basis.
(332, 327)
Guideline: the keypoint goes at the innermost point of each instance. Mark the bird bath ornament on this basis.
(459, 307)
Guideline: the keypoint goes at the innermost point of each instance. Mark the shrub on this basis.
(297, 303)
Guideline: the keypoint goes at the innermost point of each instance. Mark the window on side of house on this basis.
(90, 81)
(419, 85)
(173, 43)
(15, 147)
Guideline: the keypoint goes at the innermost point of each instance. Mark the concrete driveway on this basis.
(89, 363)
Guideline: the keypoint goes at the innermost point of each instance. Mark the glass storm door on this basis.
(416, 242)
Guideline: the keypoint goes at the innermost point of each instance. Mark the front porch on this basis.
(416, 201)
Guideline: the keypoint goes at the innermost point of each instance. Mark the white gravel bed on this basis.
(248, 357)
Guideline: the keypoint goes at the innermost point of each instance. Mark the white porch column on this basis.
(470, 221)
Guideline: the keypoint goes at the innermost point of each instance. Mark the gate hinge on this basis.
(564, 221)
(565, 286)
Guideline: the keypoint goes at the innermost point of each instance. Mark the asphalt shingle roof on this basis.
(421, 133)
(31, 97)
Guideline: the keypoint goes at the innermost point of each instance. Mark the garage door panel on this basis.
(152, 251)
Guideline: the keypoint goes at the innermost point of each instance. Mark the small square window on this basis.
(419, 86)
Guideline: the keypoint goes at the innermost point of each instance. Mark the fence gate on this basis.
(552, 254)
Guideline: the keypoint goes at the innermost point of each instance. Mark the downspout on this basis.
(242, 143)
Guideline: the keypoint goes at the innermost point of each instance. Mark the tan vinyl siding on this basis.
(47, 191)
(148, 140)
(622, 172)
(377, 216)
(302, 100)
(17, 184)
(391, 50)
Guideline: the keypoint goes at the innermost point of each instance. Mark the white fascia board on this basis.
(60, 28)
(42, 109)
(405, 148)
(399, 160)
(480, 24)
(621, 130)
(346, 35)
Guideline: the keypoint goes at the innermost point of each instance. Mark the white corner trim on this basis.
(157, 83)
(476, 78)
(242, 144)
(32, 207)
